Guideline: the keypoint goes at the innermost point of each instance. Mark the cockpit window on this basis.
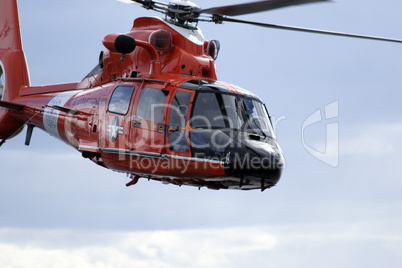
(226, 111)
(178, 120)
(213, 110)
(256, 118)
(179, 109)
(219, 119)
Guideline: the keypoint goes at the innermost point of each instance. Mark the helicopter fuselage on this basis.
(154, 108)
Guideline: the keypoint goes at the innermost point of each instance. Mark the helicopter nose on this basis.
(256, 164)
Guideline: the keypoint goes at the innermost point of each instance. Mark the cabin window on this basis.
(120, 100)
(178, 120)
(151, 104)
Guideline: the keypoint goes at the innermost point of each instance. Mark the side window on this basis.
(178, 120)
(179, 109)
(151, 104)
(120, 100)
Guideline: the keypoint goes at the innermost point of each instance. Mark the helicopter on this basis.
(153, 106)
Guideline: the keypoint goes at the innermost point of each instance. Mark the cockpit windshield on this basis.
(231, 112)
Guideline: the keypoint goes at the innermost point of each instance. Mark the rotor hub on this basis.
(182, 12)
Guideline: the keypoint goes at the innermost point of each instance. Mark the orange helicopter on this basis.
(153, 106)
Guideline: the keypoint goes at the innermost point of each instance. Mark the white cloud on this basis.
(184, 248)
(292, 245)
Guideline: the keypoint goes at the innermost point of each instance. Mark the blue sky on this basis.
(58, 209)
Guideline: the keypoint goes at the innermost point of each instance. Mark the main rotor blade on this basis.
(130, 2)
(247, 8)
(148, 4)
(300, 29)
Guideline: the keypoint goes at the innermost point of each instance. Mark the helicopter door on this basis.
(178, 118)
(116, 119)
(148, 127)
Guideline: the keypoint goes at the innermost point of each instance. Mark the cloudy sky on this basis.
(336, 104)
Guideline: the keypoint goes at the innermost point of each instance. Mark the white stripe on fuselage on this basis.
(51, 116)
